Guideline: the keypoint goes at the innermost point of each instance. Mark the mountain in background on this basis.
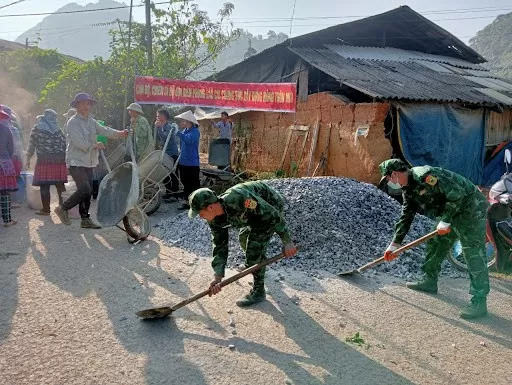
(77, 34)
(244, 47)
(85, 36)
(494, 43)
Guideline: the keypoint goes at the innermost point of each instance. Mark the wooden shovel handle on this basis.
(231, 279)
(400, 250)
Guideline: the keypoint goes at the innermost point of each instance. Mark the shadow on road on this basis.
(340, 363)
(123, 278)
(501, 327)
(13, 251)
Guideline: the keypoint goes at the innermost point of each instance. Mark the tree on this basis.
(282, 36)
(250, 51)
(31, 68)
(271, 35)
(184, 37)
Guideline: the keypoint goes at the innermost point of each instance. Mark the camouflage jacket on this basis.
(251, 204)
(439, 193)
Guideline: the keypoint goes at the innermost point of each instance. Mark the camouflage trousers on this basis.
(469, 227)
(255, 244)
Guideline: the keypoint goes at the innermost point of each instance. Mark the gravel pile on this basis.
(340, 224)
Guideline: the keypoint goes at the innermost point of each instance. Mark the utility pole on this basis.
(128, 62)
(149, 34)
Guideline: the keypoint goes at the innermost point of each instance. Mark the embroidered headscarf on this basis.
(49, 122)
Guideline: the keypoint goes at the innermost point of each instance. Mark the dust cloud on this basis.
(19, 99)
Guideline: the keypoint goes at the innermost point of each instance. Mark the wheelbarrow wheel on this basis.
(136, 224)
(150, 200)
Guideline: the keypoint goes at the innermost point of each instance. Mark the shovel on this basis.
(160, 312)
(397, 251)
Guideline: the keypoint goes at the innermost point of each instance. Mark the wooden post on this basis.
(302, 149)
(314, 142)
(288, 140)
(127, 69)
(149, 34)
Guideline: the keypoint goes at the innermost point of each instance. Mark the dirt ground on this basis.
(68, 298)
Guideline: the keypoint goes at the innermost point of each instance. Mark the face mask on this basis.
(394, 186)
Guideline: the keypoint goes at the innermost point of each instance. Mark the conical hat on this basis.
(188, 116)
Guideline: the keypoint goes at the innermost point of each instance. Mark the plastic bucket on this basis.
(20, 196)
(33, 196)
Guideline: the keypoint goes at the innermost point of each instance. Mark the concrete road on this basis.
(68, 298)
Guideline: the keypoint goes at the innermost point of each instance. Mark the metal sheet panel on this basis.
(408, 80)
(497, 95)
(397, 55)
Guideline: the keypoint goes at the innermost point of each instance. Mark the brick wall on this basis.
(260, 138)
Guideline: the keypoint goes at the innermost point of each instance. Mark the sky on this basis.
(463, 18)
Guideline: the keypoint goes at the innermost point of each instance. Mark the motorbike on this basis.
(498, 225)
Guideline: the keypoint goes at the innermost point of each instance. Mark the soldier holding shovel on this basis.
(460, 209)
(257, 210)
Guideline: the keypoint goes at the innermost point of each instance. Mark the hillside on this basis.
(246, 45)
(6, 45)
(81, 35)
(494, 43)
(77, 34)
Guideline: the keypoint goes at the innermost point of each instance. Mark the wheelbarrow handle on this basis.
(104, 159)
(231, 279)
(400, 250)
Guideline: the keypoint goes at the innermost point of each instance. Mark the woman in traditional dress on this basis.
(8, 182)
(49, 143)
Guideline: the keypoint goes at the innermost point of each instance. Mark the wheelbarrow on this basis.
(154, 169)
(219, 155)
(117, 200)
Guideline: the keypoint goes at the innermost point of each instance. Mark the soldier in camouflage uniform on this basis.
(257, 210)
(459, 206)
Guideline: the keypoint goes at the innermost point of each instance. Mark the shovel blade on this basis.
(348, 273)
(157, 312)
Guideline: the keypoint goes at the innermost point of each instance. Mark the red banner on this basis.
(250, 96)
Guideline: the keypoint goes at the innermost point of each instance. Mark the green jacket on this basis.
(250, 204)
(144, 140)
(441, 194)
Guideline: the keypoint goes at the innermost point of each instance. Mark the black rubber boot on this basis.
(427, 285)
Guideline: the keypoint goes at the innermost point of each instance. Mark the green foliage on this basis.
(356, 339)
(31, 68)
(101, 78)
(494, 44)
(184, 39)
(265, 175)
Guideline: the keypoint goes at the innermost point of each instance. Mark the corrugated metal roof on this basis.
(497, 95)
(407, 79)
(214, 113)
(397, 55)
(494, 84)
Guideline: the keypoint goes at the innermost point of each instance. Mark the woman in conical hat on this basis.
(188, 164)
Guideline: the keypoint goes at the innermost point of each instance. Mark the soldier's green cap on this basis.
(199, 200)
(388, 166)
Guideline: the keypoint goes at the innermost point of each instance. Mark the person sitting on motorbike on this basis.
(459, 206)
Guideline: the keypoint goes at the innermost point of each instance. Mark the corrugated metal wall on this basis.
(499, 127)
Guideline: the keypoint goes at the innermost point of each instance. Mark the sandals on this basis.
(11, 223)
(43, 212)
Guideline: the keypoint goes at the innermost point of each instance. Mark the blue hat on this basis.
(80, 98)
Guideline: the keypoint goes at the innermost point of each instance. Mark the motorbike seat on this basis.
(505, 228)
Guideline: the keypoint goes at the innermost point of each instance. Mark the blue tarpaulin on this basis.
(442, 135)
(495, 167)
